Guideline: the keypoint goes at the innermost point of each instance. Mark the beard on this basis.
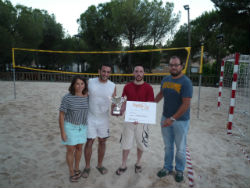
(139, 78)
(175, 74)
(103, 78)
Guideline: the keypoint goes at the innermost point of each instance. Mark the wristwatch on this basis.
(172, 118)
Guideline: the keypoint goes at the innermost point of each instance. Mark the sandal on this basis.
(78, 173)
(73, 178)
(102, 170)
(138, 169)
(85, 172)
(120, 171)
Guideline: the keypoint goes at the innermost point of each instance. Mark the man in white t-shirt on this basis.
(101, 89)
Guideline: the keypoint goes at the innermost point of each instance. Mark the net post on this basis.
(200, 80)
(14, 71)
(233, 94)
(220, 84)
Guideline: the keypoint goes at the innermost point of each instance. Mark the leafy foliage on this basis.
(235, 18)
(139, 24)
(132, 22)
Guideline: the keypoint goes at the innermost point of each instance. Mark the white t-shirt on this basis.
(99, 96)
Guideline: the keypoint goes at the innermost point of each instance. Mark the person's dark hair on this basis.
(72, 88)
(106, 65)
(176, 57)
(138, 65)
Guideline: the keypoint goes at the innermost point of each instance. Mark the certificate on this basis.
(141, 112)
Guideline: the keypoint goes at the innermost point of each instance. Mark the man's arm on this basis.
(159, 96)
(114, 93)
(183, 108)
(123, 107)
(113, 105)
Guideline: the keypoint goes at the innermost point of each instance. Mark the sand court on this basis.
(31, 154)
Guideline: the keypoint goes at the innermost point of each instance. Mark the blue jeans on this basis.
(176, 133)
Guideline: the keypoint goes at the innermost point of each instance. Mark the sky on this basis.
(68, 11)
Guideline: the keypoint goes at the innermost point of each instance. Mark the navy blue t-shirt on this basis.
(173, 91)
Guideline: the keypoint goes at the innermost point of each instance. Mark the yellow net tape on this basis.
(188, 49)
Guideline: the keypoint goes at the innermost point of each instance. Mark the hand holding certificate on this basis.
(141, 112)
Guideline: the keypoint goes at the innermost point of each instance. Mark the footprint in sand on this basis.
(50, 137)
(55, 153)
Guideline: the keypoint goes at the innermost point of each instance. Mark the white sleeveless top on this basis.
(99, 96)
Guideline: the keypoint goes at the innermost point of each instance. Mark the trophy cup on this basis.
(117, 101)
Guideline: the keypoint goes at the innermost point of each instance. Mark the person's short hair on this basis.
(176, 57)
(72, 88)
(138, 65)
(106, 65)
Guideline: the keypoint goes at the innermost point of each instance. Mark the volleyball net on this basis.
(88, 62)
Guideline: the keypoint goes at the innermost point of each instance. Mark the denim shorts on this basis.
(76, 134)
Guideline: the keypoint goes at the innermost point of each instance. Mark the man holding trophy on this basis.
(137, 90)
(117, 103)
(101, 89)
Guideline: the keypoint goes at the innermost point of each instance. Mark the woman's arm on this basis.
(61, 125)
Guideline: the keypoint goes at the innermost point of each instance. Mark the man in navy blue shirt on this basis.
(177, 91)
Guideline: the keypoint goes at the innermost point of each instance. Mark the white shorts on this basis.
(133, 132)
(98, 126)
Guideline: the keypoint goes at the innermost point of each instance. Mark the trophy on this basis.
(117, 101)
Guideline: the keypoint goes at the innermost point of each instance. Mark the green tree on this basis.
(206, 27)
(28, 28)
(133, 17)
(142, 22)
(100, 33)
(52, 40)
(162, 21)
(37, 29)
(25, 27)
(7, 23)
(235, 18)
(72, 44)
(97, 28)
(146, 59)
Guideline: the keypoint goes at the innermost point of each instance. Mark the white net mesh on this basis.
(241, 116)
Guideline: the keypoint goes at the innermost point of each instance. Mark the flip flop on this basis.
(73, 178)
(120, 171)
(85, 172)
(102, 170)
(78, 173)
(138, 169)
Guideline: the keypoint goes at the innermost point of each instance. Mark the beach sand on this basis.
(31, 153)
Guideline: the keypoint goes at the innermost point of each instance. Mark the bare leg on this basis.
(139, 155)
(124, 158)
(70, 159)
(88, 152)
(78, 156)
(123, 168)
(101, 151)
